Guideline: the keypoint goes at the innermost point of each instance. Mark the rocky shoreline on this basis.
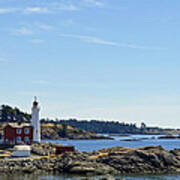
(117, 160)
(169, 137)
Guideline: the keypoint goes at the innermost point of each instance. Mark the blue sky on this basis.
(102, 59)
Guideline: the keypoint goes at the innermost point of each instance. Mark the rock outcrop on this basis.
(117, 160)
(58, 131)
(152, 159)
(44, 149)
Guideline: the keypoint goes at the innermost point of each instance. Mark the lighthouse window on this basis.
(26, 130)
(18, 131)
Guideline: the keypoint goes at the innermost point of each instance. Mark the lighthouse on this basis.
(35, 122)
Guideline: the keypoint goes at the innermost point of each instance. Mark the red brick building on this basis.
(18, 133)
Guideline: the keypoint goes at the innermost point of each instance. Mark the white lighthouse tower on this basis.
(35, 122)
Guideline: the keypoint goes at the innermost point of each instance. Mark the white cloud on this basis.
(30, 29)
(69, 7)
(7, 10)
(53, 7)
(24, 31)
(38, 10)
(90, 39)
(95, 40)
(94, 3)
(50, 8)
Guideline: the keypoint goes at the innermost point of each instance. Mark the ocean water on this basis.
(142, 140)
(70, 177)
(91, 145)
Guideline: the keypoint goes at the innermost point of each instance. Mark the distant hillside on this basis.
(113, 127)
(58, 131)
(103, 126)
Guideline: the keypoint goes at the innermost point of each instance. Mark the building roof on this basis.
(22, 148)
(19, 125)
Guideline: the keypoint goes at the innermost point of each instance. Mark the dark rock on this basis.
(44, 149)
(81, 167)
(168, 159)
(152, 148)
(130, 140)
(175, 152)
(168, 137)
(142, 160)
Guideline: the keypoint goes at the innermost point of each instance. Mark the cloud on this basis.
(37, 10)
(95, 40)
(45, 7)
(69, 7)
(7, 10)
(90, 39)
(24, 31)
(36, 41)
(50, 8)
(94, 3)
(30, 29)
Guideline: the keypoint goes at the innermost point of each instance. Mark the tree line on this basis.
(100, 126)
(9, 114)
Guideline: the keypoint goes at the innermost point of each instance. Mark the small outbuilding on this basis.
(63, 149)
(21, 151)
